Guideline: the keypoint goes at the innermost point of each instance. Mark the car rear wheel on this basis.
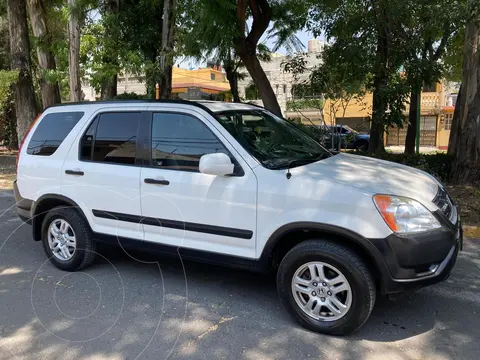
(67, 239)
(326, 287)
(362, 146)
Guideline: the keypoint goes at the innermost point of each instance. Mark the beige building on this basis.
(437, 106)
(282, 82)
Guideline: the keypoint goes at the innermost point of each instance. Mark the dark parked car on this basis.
(350, 139)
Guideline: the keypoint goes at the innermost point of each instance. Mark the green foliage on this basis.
(7, 79)
(290, 16)
(453, 59)
(251, 92)
(7, 105)
(131, 96)
(438, 164)
(370, 43)
(368, 46)
(210, 30)
(429, 33)
(333, 80)
(301, 104)
(395, 93)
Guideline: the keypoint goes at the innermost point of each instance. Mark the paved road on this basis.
(127, 306)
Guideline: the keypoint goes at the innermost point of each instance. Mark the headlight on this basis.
(404, 215)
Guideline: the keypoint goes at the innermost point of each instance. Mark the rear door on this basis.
(183, 207)
(102, 173)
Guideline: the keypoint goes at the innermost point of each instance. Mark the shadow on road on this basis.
(159, 307)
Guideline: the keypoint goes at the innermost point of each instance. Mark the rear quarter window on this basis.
(51, 131)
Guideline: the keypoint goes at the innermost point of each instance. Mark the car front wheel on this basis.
(326, 287)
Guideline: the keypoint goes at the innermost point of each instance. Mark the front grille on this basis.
(444, 203)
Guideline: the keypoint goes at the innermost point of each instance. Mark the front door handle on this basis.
(74, 172)
(156, 182)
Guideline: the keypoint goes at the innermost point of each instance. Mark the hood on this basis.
(374, 176)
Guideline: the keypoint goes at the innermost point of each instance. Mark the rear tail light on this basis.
(23, 141)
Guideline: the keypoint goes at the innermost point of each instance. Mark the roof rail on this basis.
(185, 102)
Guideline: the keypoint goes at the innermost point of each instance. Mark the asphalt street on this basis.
(135, 306)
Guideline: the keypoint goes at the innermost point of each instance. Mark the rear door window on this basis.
(111, 138)
(51, 131)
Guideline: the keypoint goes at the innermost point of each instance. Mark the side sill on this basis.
(185, 253)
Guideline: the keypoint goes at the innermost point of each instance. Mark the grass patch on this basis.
(6, 181)
(467, 198)
(7, 169)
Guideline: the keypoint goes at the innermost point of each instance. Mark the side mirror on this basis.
(216, 164)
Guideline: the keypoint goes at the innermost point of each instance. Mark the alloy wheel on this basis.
(321, 291)
(61, 239)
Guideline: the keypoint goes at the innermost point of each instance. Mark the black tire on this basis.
(352, 267)
(85, 246)
(362, 146)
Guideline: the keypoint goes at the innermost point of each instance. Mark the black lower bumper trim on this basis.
(395, 286)
(24, 206)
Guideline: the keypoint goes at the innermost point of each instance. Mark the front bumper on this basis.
(419, 260)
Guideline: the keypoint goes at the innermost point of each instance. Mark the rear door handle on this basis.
(74, 172)
(156, 181)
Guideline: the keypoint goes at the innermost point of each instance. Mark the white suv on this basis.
(234, 184)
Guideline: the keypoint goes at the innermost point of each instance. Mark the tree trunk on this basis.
(379, 103)
(466, 160)
(377, 129)
(26, 108)
(109, 86)
(50, 91)
(458, 114)
(166, 55)
(74, 51)
(412, 122)
(246, 48)
(261, 81)
(232, 78)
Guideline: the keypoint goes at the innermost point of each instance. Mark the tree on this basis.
(26, 109)
(77, 10)
(466, 160)
(46, 60)
(110, 58)
(7, 108)
(74, 18)
(228, 39)
(332, 80)
(246, 47)
(140, 39)
(428, 31)
(166, 53)
(365, 34)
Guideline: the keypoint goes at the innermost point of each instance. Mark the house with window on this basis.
(437, 105)
(208, 83)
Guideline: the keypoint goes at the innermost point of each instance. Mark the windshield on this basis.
(270, 139)
(344, 129)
